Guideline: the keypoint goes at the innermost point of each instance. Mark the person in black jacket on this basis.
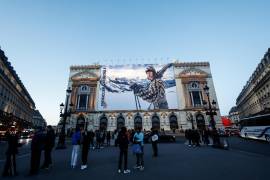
(37, 146)
(12, 150)
(86, 138)
(154, 141)
(123, 142)
(48, 146)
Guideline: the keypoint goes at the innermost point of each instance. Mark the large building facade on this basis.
(255, 97)
(16, 104)
(88, 94)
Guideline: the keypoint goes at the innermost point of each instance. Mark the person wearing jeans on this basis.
(76, 139)
(138, 139)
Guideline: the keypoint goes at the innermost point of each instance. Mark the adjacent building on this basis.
(38, 119)
(108, 97)
(254, 99)
(234, 115)
(16, 104)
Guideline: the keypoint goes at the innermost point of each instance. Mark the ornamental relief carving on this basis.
(84, 76)
(193, 73)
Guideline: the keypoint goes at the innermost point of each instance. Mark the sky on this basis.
(42, 39)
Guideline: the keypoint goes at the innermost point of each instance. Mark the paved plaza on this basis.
(176, 161)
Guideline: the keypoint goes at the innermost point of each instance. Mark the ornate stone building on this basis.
(234, 115)
(255, 96)
(190, 79)
(16, 104)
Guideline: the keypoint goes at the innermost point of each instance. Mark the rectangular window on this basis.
(82, 104)
(196, 98)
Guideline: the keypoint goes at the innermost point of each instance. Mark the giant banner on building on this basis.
(134, 87)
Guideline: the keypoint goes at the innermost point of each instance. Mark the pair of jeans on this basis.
(123, 152)
(35, 161)
(85, 150)
(47, 157)
(139, 156)
(155, 148)
(10, 163)
(74, 155)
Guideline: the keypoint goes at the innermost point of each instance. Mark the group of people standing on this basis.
(82, 140)
(43, 140)
(195, 137)
(136, 138)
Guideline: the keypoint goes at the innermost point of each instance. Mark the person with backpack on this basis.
(76, 141)
(154, 141)
(138, 142)
(123, 142)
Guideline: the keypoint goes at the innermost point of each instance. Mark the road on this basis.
(245, 160)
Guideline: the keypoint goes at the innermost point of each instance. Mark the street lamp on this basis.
(62, 141)
(210, 107)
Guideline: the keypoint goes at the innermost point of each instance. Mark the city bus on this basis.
(256, 127)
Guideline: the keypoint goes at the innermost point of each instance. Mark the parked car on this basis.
(26, 135)
(162, 137)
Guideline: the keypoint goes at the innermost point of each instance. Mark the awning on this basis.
(226, 121)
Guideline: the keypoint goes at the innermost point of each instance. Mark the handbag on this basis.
(136, 148)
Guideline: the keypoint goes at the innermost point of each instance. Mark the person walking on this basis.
(37, 146)
(98, 139)
(188, 134)
(92, 136)
(103, 137)
(123, 141)
(49, 144)
(205, 135)
(108, 137)
(138, 139)
(196, 137)
(154, 141)
(85, 148)
(76, 141)
(12, 150)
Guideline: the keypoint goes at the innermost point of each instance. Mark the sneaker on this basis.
(141, 168)
(119, 171)
(83, 167)
(136, 167)
(126, 171)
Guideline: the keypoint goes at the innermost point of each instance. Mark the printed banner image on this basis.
(135, 87)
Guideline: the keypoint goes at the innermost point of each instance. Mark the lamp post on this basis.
(210, 107)
(62, 141)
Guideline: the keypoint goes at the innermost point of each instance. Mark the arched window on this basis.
(155, 122)
(138, 121)
(83, 97)
(195, 93)
(120, 121)
(103, 122)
